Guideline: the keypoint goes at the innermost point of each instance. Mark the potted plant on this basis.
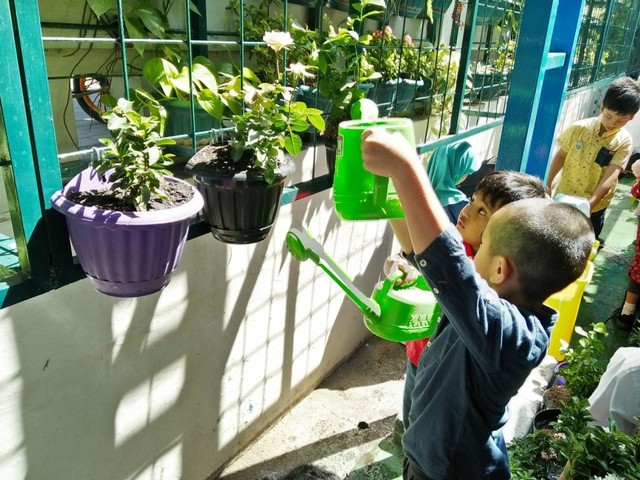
(176, 86)
(242, 178)
(556, 396)
(536, 455)
(128, 219)
(403, 67)
(591, 450)
(344, 73)
(584, 362)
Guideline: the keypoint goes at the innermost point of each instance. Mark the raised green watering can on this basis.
(394, 313)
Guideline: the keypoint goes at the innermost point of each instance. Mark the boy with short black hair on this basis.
(494, 329)
(495, 190)
(594, 151)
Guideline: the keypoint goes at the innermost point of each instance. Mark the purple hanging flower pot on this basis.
(125, 254)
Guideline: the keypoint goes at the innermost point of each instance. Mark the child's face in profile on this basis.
(612, 121)
(473, 220)
(483, 257)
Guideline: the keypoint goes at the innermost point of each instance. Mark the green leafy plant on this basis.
(505, 58)
(266, 120)
(170, 80)
(591, 450)
(270, 124)
(135, 153)
(536, 455)
(395, 57)
(343, 65)
(585, 366)
(267, 16)
(142, 19)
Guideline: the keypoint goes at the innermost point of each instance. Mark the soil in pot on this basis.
(107, 199)
(556, 396)
(544, 418)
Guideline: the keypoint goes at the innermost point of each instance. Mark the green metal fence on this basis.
(467, 47)
(607, 36)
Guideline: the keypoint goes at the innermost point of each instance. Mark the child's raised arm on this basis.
(391, 155)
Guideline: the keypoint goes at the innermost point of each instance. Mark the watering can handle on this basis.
(380, 190)
(304, 247)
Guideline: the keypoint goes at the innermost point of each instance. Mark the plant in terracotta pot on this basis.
(242, 178)
(128, 219)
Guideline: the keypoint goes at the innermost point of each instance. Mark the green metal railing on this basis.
(473, 43)
(607, 36)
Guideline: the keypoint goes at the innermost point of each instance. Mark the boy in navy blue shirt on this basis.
(495, 328)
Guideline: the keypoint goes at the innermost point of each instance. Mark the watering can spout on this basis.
(304, 247)
(396, 314)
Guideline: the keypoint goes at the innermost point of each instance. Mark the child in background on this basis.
(447, 167)
(495, 190)
(495, 328)
(625, 319)
(594, 151)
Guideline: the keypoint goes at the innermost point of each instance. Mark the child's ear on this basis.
(501, 270)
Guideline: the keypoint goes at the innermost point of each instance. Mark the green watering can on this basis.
(394, 313)
(357, 193)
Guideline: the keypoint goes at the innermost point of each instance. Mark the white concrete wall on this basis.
(172, 385)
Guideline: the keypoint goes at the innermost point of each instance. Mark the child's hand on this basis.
(384, 152)
(395, 263)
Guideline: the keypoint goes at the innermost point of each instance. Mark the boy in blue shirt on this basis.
(494, 329)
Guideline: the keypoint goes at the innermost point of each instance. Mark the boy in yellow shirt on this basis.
(594, 151)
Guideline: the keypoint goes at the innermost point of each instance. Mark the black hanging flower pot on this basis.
(240, 207)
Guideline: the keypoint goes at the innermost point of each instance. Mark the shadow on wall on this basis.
(172, 384)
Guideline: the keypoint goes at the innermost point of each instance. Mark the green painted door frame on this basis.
(32, 154)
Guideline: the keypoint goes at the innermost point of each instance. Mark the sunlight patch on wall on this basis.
(13, 459)
(168, 465)
(146, 402)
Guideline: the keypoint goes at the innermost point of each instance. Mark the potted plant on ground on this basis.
(584, 362)
(128, 219)
(592, 451)
(242, 178)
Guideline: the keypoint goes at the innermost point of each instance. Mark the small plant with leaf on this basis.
(142, 19)
(135, 155)
(343, 65)
(536, 455)
(591, 450)
(266, 120)
(585, 366)
(171, 80)
(395, 57)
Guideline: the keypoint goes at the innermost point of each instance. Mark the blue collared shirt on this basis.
(482, 352)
